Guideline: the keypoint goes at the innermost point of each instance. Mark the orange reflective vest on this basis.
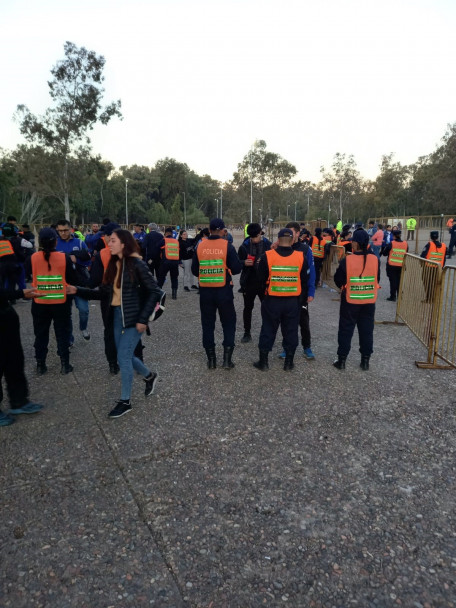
(171, 249)
(284, 273)
(318, 247)
(397, 253)
(212, 255)
(362, 285)
(6, 248)
(51, 283)
(106, 240)
(105, 256)
(436, 255)
(328, 238)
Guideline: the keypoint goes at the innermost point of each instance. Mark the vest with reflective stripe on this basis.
(284, 273)
(212, 255)
(51, 283)
(362, 286)
(436, 255)
(397, 253)
(105, 255)
(318, 248)
(6, 248)
(171, 249)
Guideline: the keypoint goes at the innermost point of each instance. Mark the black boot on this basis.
(246, 337)
(340, 362)
(227, 354)
(262, 364)
(288, 365)
(174, 294)
(66, 367)
(211, 358)
(364, 365)
(41, 367)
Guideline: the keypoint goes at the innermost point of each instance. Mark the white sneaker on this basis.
(85, 334)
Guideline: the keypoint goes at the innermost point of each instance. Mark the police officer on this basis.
(170, 261)
(249, 254)
(435, 250)
(358, 275)
(214, 261)
(284, 273)
(411, 227)
(395, 251)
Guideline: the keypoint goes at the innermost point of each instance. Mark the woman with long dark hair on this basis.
(51, 271)
(133, 294)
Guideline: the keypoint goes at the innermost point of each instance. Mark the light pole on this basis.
(185, 212)
(251, 188)
(126, 202)
(216, 207)
(287, 211)
(221, 201)
(296, 202)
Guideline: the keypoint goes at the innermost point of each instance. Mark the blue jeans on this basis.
(376, 250)
(126, 339)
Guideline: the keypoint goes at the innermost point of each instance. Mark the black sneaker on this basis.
(195, 287)
(66, 368)
(114, 368)
(122, 407)
(246, 338)
(186, 289)
(150, 383)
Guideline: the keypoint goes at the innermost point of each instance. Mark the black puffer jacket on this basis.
(138, 296)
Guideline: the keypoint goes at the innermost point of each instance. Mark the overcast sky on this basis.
(201, 80)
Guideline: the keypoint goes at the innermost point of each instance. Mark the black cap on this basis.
(47, 234)
(109, 228)
(397, 232)
(360, 236)
(217, 224)
(434, 235)
(8, 230)
(285, 232)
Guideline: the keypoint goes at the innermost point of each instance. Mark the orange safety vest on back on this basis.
(318, 247)
(6, 248)
(362, 285)
(212, 255)
(171, 249)
(284, 273)
(51, 283)
(105, 256)
(397, 253)
(436, 255)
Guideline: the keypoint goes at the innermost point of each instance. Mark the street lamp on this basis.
(296, 202)
(216, 207)
(185, 212)
(221, 201)
(287, 211)
(126, 202)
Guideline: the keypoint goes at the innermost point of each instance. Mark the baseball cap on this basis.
(285, 232)
(217, 224)
(360, 236)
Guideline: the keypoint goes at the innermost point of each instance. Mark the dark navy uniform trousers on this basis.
(351, 316)
(284, 312)
(211, 300)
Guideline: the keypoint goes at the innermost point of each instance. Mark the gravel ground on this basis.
(236, 488)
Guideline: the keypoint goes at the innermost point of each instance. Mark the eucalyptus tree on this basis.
(76, 91)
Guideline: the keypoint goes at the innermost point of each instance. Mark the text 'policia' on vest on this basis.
(212, 262)
(397, 253)
(284, 273)
(171, 249)
(362, 285)
(49, 282)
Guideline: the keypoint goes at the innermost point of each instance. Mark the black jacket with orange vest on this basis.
(263, 271)
(340, 276)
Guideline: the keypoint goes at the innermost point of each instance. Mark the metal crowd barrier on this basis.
(330, 264)
(426, 304)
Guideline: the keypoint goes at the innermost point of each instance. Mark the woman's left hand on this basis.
(141, 328)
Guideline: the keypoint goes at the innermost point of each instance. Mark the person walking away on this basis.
(214, 262)
(169, 261)
(249, 254)
(79, 255)
(133, 294)
(12, 357)
(411, 227)
(358, 275)
(317, 245)
(436, 251)
(51, 271)
(151, 248)
(395, 251)
(377, 240)
(186, 251)
(283, 275)
(452, 240)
